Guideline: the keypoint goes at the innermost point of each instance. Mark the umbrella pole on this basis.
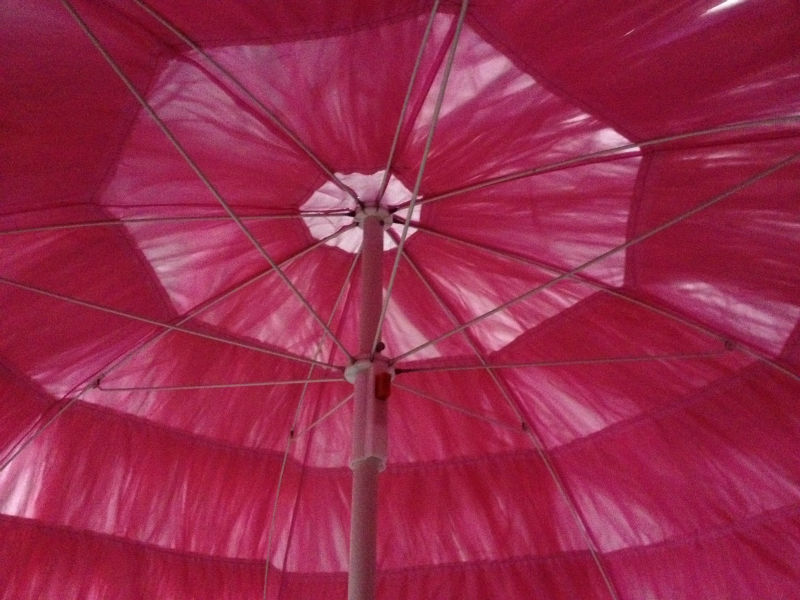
(369, 415)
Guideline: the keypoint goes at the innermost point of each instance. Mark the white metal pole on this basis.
(371, 278)
(369, 418)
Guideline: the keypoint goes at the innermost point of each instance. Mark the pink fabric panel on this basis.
(65, 112)
(608, 360)
(676, 480)
(573, 216)
(496, 119)
(655, 70)
(147, 484)
(733, 266)
(155, 485)
(719, 560)
(130, 570)
(252, 20)
(120, 568)
(21, 405)
(416, 316)
(73, 343)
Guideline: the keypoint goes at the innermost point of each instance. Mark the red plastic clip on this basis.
(383, 385)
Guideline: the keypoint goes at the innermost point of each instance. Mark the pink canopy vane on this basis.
(400, 300)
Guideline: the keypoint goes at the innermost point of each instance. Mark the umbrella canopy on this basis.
(589, 303)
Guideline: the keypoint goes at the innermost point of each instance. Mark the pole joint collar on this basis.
(377, 212)
(363, 363)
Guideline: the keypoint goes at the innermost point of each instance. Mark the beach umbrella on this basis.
(400, 299)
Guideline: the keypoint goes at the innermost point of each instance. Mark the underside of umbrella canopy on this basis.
(583, 276)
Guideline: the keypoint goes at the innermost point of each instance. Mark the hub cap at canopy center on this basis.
(328, 197)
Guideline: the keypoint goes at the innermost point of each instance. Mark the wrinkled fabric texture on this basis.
(627, 428)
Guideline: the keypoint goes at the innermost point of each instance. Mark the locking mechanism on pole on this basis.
(372, 381)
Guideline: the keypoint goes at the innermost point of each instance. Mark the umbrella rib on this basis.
(325, 416)
(216, 386)
(243, 89)
(755, 354)
(588, 538)
(568, 363)
(291, 437)
(460, 409)
(289, 440)
(156, 220)
(636, 240)
(161, 324)
(421, 171)
(406, 102)
(571, 503)
(208, 304)
(344, 291)
(194, 166)
(616, 153)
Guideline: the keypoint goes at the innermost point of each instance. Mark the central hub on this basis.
(374, 211)
(364, 364)
(330, 198)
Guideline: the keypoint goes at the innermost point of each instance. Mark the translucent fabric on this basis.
(593, 320)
